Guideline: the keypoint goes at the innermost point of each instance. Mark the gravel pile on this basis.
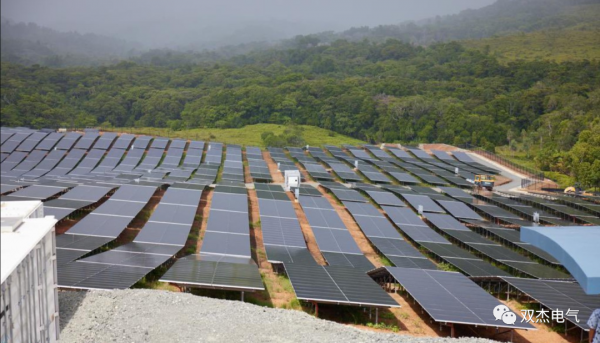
(160, 316)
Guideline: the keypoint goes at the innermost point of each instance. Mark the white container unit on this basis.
(29, 300)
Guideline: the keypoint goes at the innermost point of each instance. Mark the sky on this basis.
(157, 23)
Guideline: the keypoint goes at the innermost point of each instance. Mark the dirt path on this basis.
(247, 174)
(357, 234)
(278, 291)
(309, 237)
(204, 209)
(276, 175)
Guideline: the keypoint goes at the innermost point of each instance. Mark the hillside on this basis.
(32, 44)
(503, 17)
(575, 37)
(248, 135)
(554, 45)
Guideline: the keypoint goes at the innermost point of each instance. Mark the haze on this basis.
(198, 23)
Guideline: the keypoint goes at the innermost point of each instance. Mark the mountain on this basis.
(32, 44)
(500, 18)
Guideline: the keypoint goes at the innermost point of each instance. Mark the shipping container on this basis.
(29, 300)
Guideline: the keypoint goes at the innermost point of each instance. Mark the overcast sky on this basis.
(155, 22)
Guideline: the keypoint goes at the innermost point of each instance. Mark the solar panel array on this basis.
(43, 165)
(164, 234)
(336, 285)
(449, 297)
(103, 225)
(419, 232)
(225, 259)
(77, 198)
(259, 170)
(282, 235)
(317, 172)
(281, 159)
(561, 296)
(382, 234)
(233, 168)
(493, 250)
(344, 193)
(344, 172)
(333, 238)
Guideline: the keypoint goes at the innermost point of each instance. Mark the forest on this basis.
(375, 91)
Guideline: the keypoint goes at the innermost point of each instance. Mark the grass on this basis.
(248, 135)
(384, 326)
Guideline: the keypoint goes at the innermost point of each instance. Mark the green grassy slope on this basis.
(565, 41)
(555, 45)
(247, 135)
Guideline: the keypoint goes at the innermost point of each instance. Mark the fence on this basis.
(532, 174)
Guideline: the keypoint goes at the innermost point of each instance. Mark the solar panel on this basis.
(314, 202)
(362, 209)
(181, 196)
(411, 262)
(226, 244)
(285, 254)
(335, 240)
(150, 248)
(229, 202)
(377, 227)
(404, 177)
(133, 193)
(403, 216)
(325, 217)
(163, 233)
(358, 261)
(98, 276)
(448, 250)
(422, 234)
(459, 210)
(200, 271)
(176, 214)
(120, 208)
(395, 247)
(276, 208)
(450, 297)
(423, 200)
(68, 204)
(100, 225)
(335, 284)
(476, 268)
(124, 258)
(348, 195)
(445, 222)
(38, 192)
(80, 242)
(469, 237)
(537, 270)
(89, 193)
(282, 231)
(386, 198)
(560, 296)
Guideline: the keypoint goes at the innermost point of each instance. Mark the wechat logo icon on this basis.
(503, 313)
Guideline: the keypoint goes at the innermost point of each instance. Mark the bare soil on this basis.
(274, 295)
(205, 202)
(441, 147)
(276, 175)
(309, 237)
(357, 234)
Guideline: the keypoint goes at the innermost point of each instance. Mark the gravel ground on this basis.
(160, 316)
